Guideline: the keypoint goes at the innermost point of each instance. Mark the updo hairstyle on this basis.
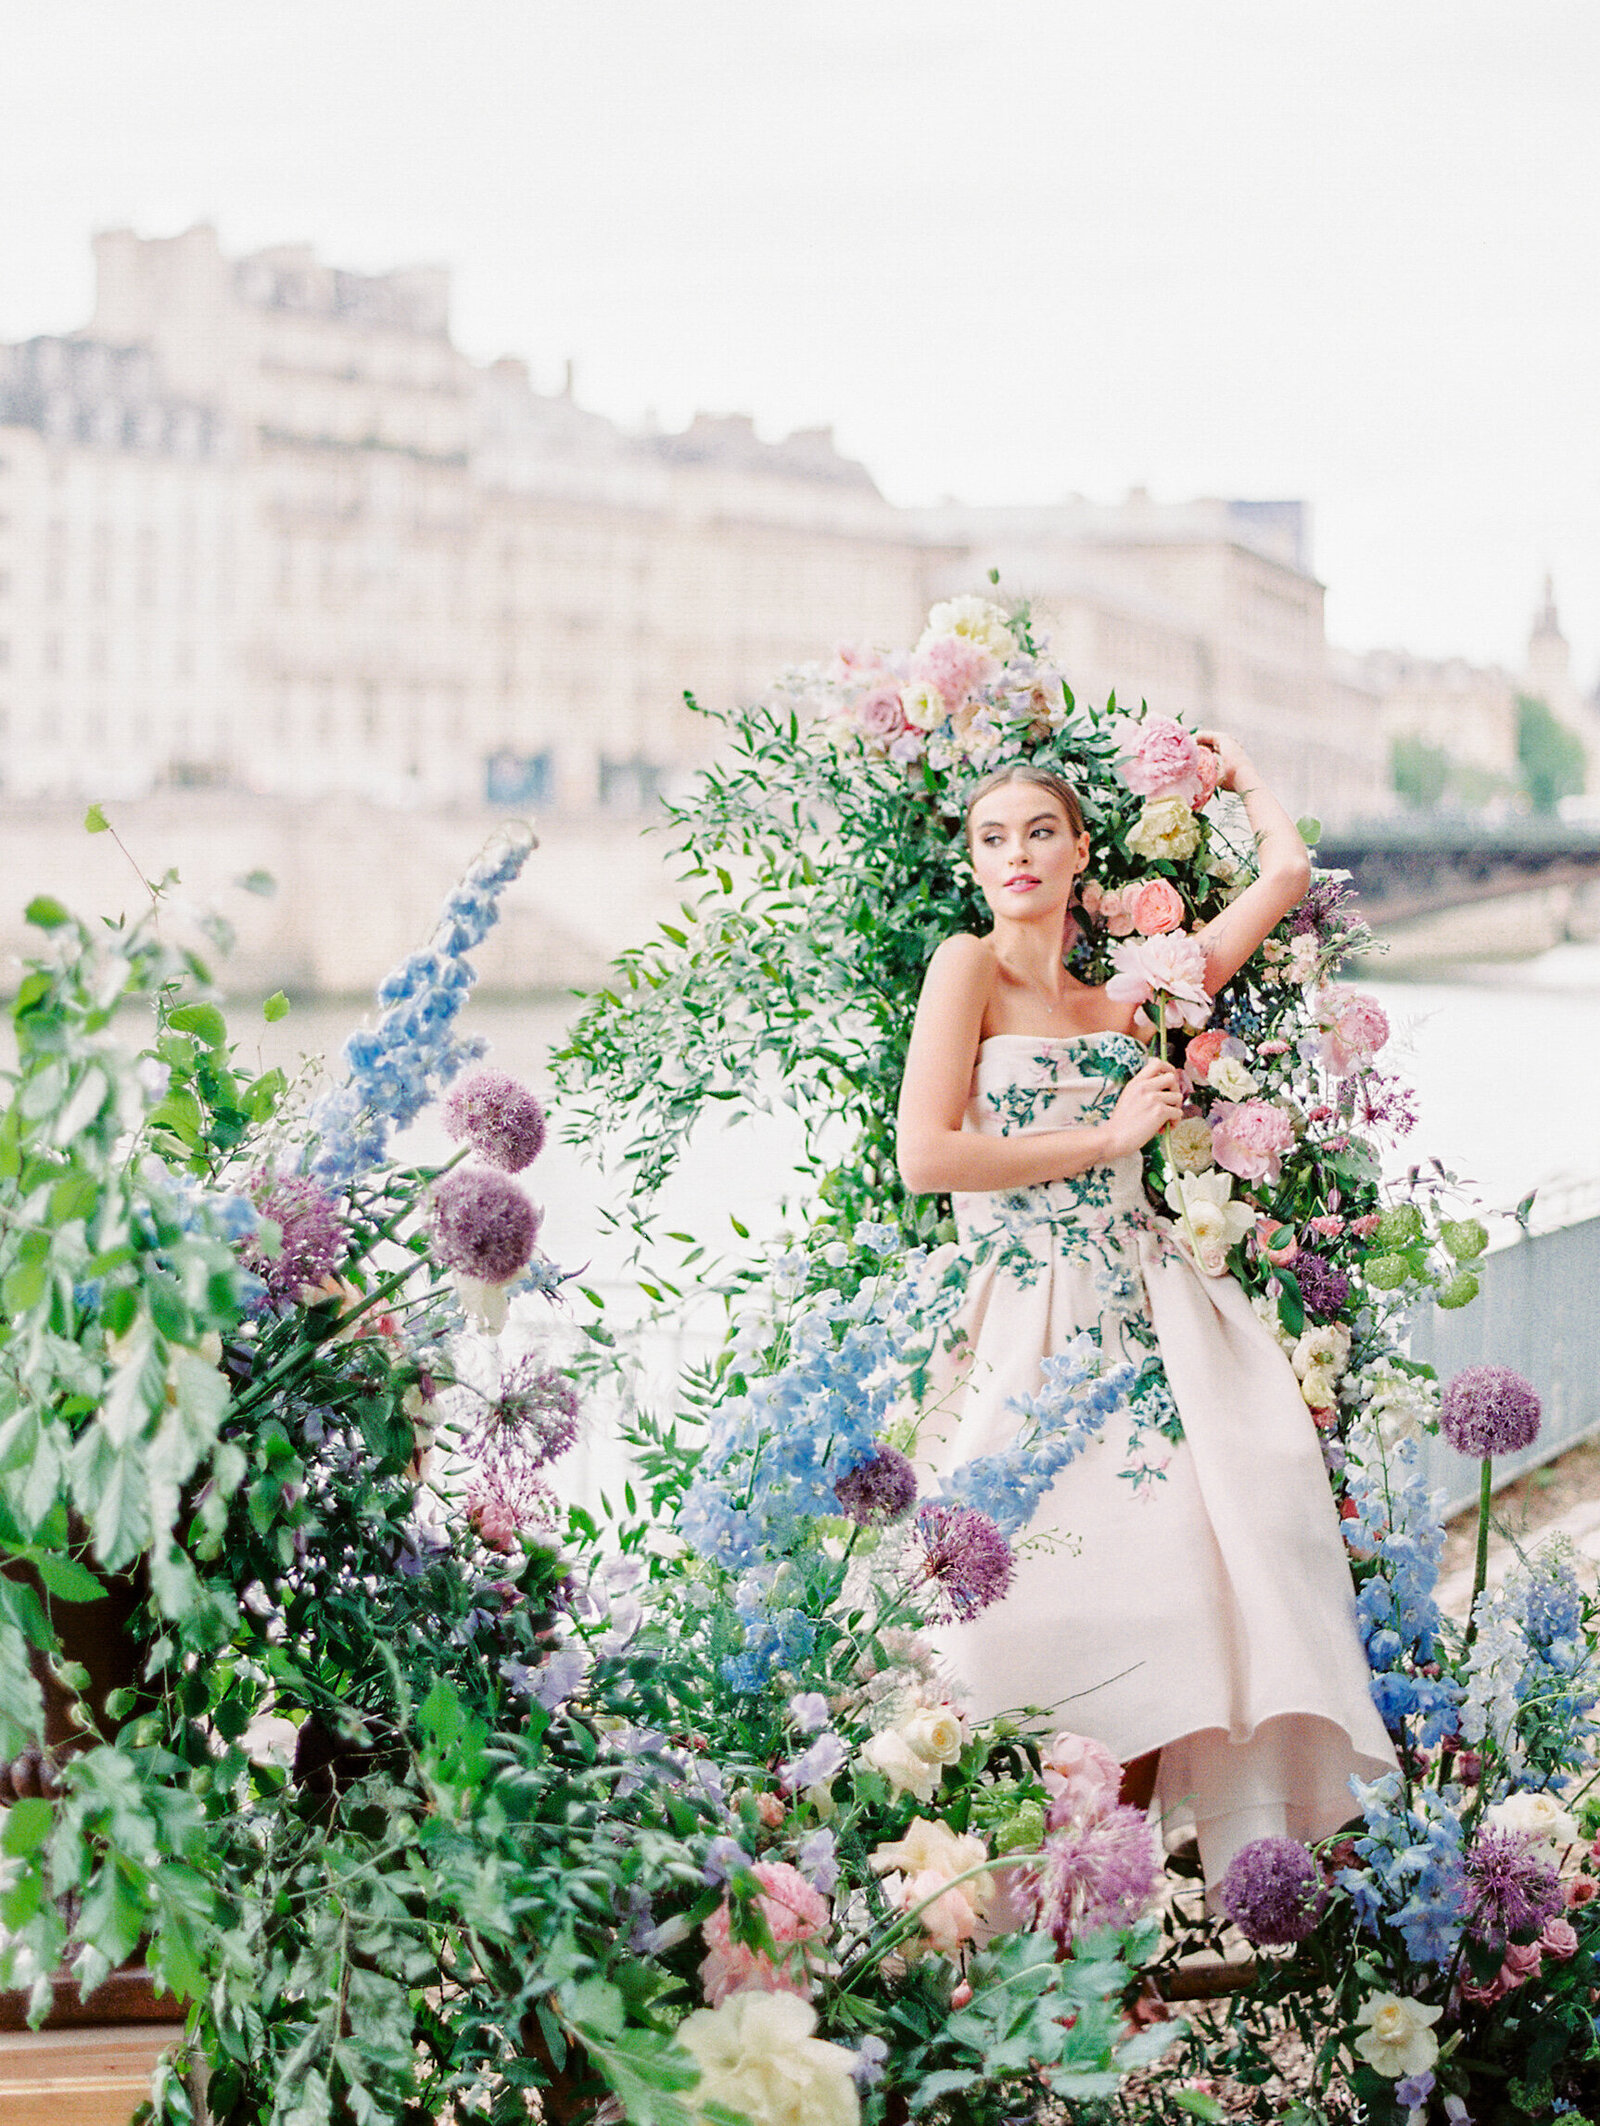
(1029, 772)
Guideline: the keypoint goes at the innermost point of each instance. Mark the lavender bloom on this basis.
(826, 1759)
(1101, 1873)
(483, 1225)
(1512, 1889)
(871, 2055)
(965, 1557)
(725, 1857)
(1413, 2093)
(879, 1490)
(499, 1118)
(1489, 1410)
(1273, 1892)
(818, 1860)
(808, 1709)
(313, 1236)
(1324, 1288)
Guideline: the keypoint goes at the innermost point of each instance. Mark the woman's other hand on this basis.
(1237, 769)
(1151, 1100)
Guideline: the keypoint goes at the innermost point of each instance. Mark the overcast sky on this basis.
(1342, 249)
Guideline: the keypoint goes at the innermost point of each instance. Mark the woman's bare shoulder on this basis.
(964, 950)
(962, 969)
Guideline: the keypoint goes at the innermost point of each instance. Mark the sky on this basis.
(1335, 249)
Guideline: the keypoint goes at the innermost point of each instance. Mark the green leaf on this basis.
(66, 1578)
(275, 1008)
(95, 821)
(204, 1021)
(46, 913)
(261, 883)
(28, 1825)
(1309, 831)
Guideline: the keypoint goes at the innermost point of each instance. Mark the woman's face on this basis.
(1024, 851)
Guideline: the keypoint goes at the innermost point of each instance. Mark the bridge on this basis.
(1413, 865)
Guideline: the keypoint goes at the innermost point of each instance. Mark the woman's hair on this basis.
(1028, 771)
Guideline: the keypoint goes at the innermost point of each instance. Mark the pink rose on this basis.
(1201, 1053)
(1355, 1026)
(1116, 911)
(1250, 1137)
(1208, 769)
(1082, 1776)
(797, 1916)
(954, 664)
(1156, 907)
(1522, 1962)
(1486, 1994)
(1558, 1938)
(1172, 967)
(1276, 1242)
(1167, 759)
(879, 714)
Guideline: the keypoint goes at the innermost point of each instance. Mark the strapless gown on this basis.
(1183, 1586)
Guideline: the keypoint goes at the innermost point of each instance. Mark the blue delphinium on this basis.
(1397, 1539)
(399, 1065)
(1058, 1422)
(773, 1638)
(1531, 1681)
(1412, 1875)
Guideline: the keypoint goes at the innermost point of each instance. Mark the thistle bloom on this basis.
(879, 1490)
(1273, 1892)
(1489, 1410)
(965, 1557)
(499, 1118)
(483, 1225)
(505, 1503)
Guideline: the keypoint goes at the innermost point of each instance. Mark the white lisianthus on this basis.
(922, 705)
(1397, 2035)
(1265, 1310)
(1538, 1815)
(1188, 1145)
(1209, 1221)
(1326, 1346)
(1165, 830)
(758, 2054)
(975, 619)
(1302, 966)
(1229, 1077)
(906, 1771)
(935, 1732)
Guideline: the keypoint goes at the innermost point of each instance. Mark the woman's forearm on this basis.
(938, 1161)
(1280, 853)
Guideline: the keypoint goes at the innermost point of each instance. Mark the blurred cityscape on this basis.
(271, 544)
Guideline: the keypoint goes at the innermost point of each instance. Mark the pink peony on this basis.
(1167, 759)
(879, 716)
(796, 1916)
(1171, 967)
(1250, 1137)
(1558, 1938)
(1354, 1028)
(1157, 907)
(1202, 1052)
(1081, 1776)
(954, 664)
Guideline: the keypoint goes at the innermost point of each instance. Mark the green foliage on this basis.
(1550, 756)
(1419, 772)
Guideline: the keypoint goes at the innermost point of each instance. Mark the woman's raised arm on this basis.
(1284, 867)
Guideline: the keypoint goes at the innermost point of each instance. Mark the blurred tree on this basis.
(1420, 772)
(1551, 756)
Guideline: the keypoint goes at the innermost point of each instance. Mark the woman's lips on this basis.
(1022, 884)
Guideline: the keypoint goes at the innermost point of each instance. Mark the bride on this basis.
(1198, 1619)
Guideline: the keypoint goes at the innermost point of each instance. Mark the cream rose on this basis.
(922, 705)
(935, 1733)
(758, 2055)
(930, 1860)
(906, 1771)
(1397, 2035)
(1165, 830)
(1189, 1145)
(1229, 1077)
(1538, 1815)
(977, 620)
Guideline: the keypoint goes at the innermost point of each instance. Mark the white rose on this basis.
(485, 1305)
(1537, 1814)
(1397, 2035)
(757, 2054)
(1165, 829)
(906, 1772)
(922, 706)
(1188, 1145)
(1326, 1347)
(1265, 1310)
(935, 1733)
(1229, 1077)
(977, 620)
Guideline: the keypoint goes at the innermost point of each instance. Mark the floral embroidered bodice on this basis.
(1031, 1082)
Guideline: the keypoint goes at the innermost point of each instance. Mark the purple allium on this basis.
(1323, 909)
(879, 1490)
(966, 1558)
(534, 1416)
(1489, 1410)
(505, 1502)
(1511, 1887)
(1273, 1892)
(314, 1238)
(499, 1118)
(1384, 1103)
(483, 1225)
(1097, 1873)
(1323, 1287)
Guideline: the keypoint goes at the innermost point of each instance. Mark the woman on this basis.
(1200, 1621)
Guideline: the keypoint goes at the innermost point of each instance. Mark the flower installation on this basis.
(1436, 1961)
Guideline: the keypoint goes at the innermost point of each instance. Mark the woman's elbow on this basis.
(918, 1166)
(1292, 877)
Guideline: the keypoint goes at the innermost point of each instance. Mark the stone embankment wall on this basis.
(356, 886)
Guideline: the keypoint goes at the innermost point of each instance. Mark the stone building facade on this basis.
(267, 527)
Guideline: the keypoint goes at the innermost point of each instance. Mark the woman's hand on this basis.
(1238, 771)
(1151, 1100)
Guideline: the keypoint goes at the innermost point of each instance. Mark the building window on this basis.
(629, 785)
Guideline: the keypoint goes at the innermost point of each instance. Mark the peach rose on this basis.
(1156, 906)
(1202, 1052)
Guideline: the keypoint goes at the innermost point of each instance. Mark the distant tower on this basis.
(1548, 677)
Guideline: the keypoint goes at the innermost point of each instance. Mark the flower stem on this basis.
(1480, 1571)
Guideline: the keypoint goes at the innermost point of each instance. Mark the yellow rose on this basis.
(923, 705)
(1189, 1145)
(757, 2055)
(1166, 830)
(1397, 2035)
